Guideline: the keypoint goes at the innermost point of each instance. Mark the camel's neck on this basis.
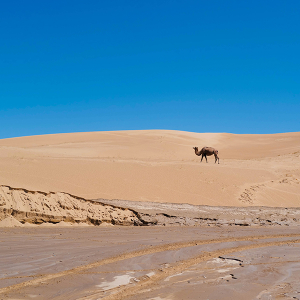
(197, 152)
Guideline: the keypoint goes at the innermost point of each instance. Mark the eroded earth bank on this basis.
(19, 207)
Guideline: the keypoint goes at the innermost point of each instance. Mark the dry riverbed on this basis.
(154, 263)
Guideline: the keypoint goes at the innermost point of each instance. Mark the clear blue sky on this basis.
(203, 66)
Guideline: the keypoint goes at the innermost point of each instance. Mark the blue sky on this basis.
(202, 66)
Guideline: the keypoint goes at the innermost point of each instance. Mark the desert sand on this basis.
(158, 166)
(192, 230)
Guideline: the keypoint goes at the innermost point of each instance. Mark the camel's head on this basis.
(195, 148)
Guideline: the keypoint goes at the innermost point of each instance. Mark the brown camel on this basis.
(207, 151)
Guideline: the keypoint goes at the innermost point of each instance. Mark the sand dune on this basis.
(158, 166)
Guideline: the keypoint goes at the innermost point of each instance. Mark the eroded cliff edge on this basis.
(39, 207)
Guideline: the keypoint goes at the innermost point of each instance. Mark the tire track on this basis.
(146, 251)
(179, 267)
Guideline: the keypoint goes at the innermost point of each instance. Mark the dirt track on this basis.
(157, 256)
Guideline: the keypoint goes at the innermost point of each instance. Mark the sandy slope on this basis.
(158, 166)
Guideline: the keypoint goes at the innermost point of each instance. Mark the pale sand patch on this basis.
(46, 225)
(105, 224)
(117, 281)
(26, 224)
(10, 221)
(63, 224)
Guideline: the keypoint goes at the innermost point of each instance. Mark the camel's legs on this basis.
(206, 158)
(216, 158)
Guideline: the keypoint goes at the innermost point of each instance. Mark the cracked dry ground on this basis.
(150, 263)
